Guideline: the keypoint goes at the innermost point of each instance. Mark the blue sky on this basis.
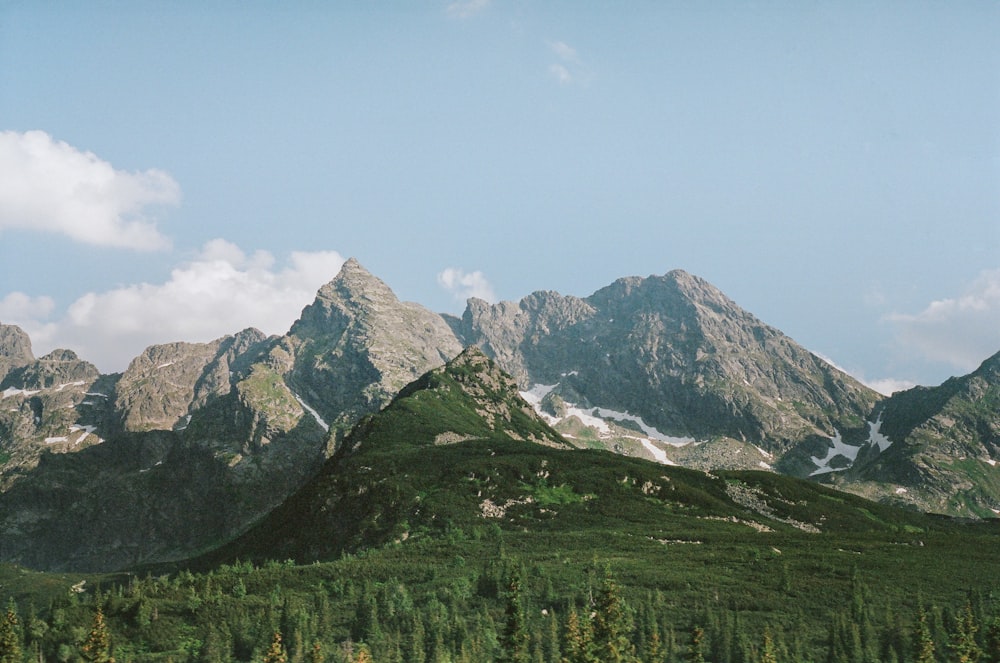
(178, 171)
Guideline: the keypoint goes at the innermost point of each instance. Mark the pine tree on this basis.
(696, 652)
(577, 642)
(10, 637)
(992, 652)
(767, 653)
(514, 640)
(97, 647)
(612, 625)
(923, 643)
(962, 642)
(276, 652)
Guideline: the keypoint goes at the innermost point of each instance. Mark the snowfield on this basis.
(319, 420)
(597, 418)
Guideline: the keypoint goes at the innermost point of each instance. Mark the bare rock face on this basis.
(941, 447)
(47, 404)
(15, 349)
(164, 385)
(676, 353)
(357, 345)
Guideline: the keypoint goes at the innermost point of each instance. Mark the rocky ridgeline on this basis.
(640, 367)
(678, 353)
(945, 447)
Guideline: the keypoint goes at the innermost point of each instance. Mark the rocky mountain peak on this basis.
(15, 348)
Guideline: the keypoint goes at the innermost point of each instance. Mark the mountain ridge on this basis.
(665, 368)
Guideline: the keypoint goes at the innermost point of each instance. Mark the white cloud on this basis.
(51, 186)
(467, 8)
(560, 73)
(19, 306)
(564, 51)
(889, 386)
(463, 286)
(569, 68)
(961, 331)
(221, 291)
(884, 386)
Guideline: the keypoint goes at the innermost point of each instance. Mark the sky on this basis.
(180, 171)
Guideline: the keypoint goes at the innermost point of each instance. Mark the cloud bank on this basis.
(53, 187)
(221, 291)
(961, 331)
(464, 285)
(467, 8)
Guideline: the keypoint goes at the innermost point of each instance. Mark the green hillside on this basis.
(457, 526)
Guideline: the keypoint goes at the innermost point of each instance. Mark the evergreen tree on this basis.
(962, 642)
(767, 652)
(364, 655)
(612, 625)
(577, 641)
(97, 647)
(514, 641)
(992, 652)
(923, 643)
(696, 651)
(276, 652)
(10, 637)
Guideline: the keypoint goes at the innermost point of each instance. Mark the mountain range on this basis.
(196, 444)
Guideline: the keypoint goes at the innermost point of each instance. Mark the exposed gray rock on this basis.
(15, 349)
(676, 352)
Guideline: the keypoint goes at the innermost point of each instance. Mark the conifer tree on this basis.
(514, 640)
(10, 637)
(962, 642)
(767, 653)
(316, 653)
(992, 652)
(923, 643)
(97, 647)
(276, 652)
(577, 642)
(696, 652)
(612, 625)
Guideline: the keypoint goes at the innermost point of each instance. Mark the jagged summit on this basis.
(15, 348)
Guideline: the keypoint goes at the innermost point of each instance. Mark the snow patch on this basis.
(169, 363)
(319, 420)
(838, 448)
(764, 465)
(13, 391)
(992, 462)
(659, 454)
(78, 383)
(95, 393)
(901, 491)
(596, 417)
(876, 436)
(55, 440)
(537, 392)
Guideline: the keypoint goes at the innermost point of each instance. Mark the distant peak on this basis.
(352, 265)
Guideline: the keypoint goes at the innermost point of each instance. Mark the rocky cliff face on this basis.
(15, 349)
(50, 404)
(664, 367)
(196, 440)
(673, 359)
(357, 345)
(164, 385)
(939, 447)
